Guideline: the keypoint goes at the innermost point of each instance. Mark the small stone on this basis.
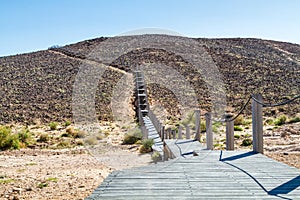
(285, 153)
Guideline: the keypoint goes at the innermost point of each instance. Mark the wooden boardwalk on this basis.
(210, 175)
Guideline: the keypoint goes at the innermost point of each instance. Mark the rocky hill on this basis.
(38, 85)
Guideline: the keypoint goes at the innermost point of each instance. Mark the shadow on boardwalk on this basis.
(284, 188)
(210, 175)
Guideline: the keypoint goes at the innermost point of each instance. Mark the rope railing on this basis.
(277, 104)
(225, 119)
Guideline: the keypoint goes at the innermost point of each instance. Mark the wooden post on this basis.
(145, 132)
(163, 133)
(257, 124)
(197, 124)
(173, 134)
(179, 132)
(159, 130)
(209, 134)
(229, 133)
(170, 133)
(187, 132)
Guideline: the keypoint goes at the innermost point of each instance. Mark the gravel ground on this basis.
(59, 174)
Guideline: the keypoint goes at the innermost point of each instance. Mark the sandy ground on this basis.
(60, 174)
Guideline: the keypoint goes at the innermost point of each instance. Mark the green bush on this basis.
(238, 128)
(215, 129)
(133, 136)
(6, 181)
(237, 136)
(25, 136)
(5, 133)
(202, 126)
(67, 123)
(269, 121)
(42, 185)
(247, 142)
(146, 146)
(53, 125)
(294, 120)
(13, 142)
(7, 139)
(280, 120)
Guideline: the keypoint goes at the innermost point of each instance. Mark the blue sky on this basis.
(30, 25)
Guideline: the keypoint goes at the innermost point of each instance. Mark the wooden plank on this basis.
(211, 175)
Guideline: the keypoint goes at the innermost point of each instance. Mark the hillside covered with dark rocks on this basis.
(38, 85)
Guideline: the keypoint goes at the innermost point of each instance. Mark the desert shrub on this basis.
(25, 136)
(65, 135)
(239, 120)
(146, 146)
(215, 128)
(156, 157)
(294, 120)
(53, 125)
(7, 139)
(269, 122)
(43, 138)
(5, 133)
(133, 136)
(280, 120)
(238, 128)
(13, 142)
(80, 134)
(202, 126)
(247, 142)
(42, 185)
(64, 144)
(139, 142)
(217, 124)
(75, 133)
(237, 136)
(79, 143)
(67, 123)
(91, 140)
(6, 181)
